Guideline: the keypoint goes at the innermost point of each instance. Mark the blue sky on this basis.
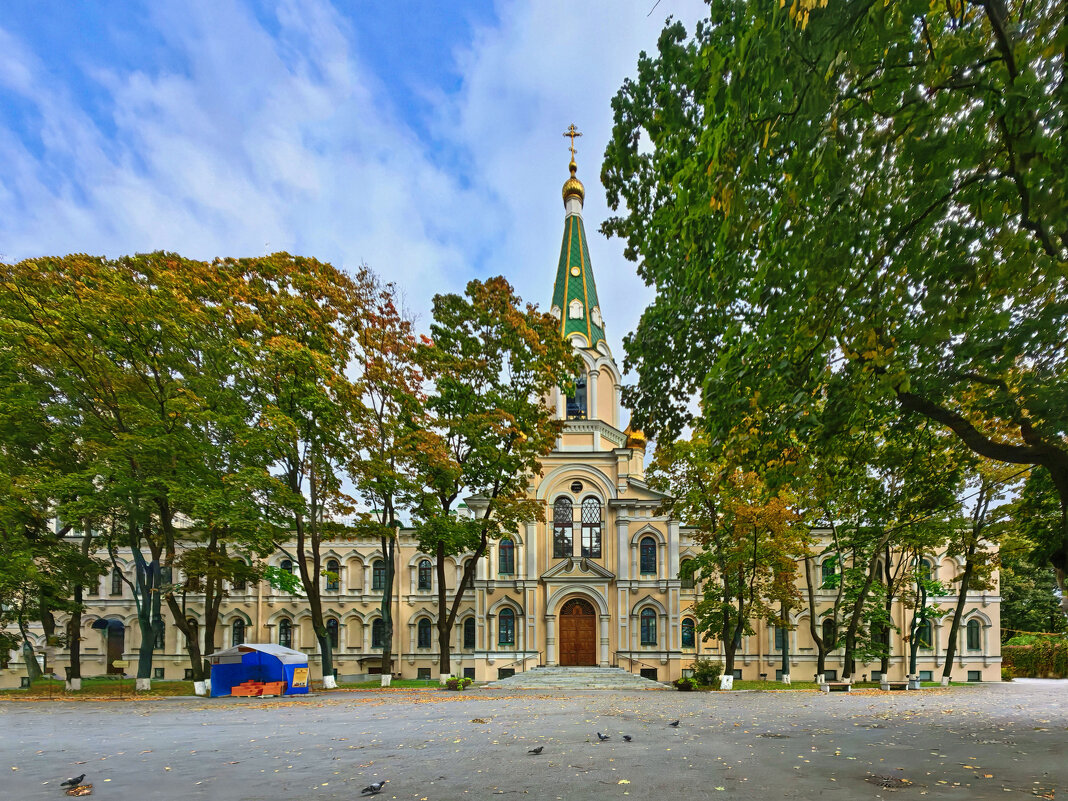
(423, 139)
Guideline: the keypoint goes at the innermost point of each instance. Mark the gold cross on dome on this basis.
(572, 131)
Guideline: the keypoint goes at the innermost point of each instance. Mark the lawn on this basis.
(376, 684)
(106, 687)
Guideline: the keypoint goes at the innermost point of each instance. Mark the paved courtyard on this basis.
(983, 741)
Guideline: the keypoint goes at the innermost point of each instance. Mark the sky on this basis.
(423, 139)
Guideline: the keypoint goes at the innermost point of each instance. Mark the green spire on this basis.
(575, 293)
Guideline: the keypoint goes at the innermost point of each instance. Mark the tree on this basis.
(749, 542)
(491, 362)
(874, 185)
(388, 431)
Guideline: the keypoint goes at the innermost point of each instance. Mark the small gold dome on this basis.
(573, 186)
(635, 439)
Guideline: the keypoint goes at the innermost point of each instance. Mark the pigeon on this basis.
(626, 738)
(373, 789)
(537, 750)
(602, 737)
(73, 782)
(674, 724)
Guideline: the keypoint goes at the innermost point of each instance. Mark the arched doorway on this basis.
(116, 641)
(578, 633)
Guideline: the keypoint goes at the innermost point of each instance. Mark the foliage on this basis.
(456, 683)
(856, 205)
(707, 672)
(685, 684)
(1006, 674)
(1041, 657)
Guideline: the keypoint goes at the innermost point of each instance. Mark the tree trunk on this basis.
(467, 579)
(74, 624)
(388, 553)
(884, 660)
(444, 632)
(785, 668)
(148, 601)
(958, 611)
(310, 580)
(914, 638)
(814, 630)
(858, 606)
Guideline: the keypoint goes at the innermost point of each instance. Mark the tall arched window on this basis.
(423, 632)
(116, 581)
(378, 575)
(688, 574)
(829, 570)
(237, 632)
(923, 570)
(378, 633)
(506, 627)
(506, 557)
(333, 575)
(648, 618)
(647, 557)
(469, 634)
(426, 581)
(286, 565)
(688, 638)
(923, 638)
(591, 528)
(161, 638)
(576, 402)
(830, 633)
(780, 637)
(563, 521)
(333, 632)
(285, 633)
(194, 630)
(974, 641)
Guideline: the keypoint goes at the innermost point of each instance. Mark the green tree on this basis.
(879, 186)
(491, 362)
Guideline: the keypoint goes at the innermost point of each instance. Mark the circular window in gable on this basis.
(576, 486)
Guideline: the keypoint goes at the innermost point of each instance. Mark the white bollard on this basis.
(726, 681)
(198, 688)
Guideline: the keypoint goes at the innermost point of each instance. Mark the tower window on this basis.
(506, 627)
(648, 619)
(563, 521)
(591, 528)
(576, 403)
(425, 580)
(424, 633)
(506, 557)
(647, 557)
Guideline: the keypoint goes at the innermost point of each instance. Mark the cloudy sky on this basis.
(420, 138)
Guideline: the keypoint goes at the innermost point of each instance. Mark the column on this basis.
(550, 640)
(617, 402)
(491, 644)
(591, 382)
(366, 637)
(560, 405)
(366, 577)
(605, 657)
(530, 550)
(673, 549)
(622, 550)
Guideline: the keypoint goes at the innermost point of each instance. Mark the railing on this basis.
(519, 661)
(626, 655)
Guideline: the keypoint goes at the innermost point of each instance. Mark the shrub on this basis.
(707, 672)
(1040, 657)
(686, 684)
(1006, 674)
(457, 684)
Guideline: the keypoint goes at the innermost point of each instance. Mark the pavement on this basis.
(974, 742)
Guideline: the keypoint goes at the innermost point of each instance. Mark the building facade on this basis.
(598, 583)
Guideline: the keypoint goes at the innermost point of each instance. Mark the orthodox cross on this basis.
(572, 131)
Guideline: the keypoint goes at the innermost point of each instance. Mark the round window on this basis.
(576, 486)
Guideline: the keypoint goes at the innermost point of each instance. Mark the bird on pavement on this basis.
(373, 789)
(537, 750)
(626, 738)
(602, 737)
(674, 724)
(73, 782)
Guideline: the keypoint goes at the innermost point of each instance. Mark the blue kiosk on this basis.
(262, 662)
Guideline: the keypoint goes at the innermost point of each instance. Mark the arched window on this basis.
(425, 573)
(923, 570)
(423, 630)
(830, 633)
(974, 642)
(563, 520)
(286, 565)
(285, 633)
(237, 632)
(591, 528)
(333, 575)
(576, 402)
(829, 570)
(688, 574)
(378, 575)
(333, 632)
(161, 636)
(506, 557)
(780, 638)
(687, 632)
(378, 633)
(116, 581)
(506, 627)
(469, 634)
(648, 618)
(194, 630)
(647, 557)
(923, 638)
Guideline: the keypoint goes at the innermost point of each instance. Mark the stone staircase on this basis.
(576, 678)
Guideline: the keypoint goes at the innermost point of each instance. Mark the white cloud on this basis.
(278, 134)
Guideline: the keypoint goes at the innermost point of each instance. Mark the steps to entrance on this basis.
(576, 678)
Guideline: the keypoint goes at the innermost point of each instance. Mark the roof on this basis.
(287, 656)
(575, 293)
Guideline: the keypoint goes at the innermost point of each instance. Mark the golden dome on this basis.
(635, 439)
(573, 186)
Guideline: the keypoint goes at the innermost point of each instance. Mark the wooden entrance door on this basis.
(116, 644)
(578, 633)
